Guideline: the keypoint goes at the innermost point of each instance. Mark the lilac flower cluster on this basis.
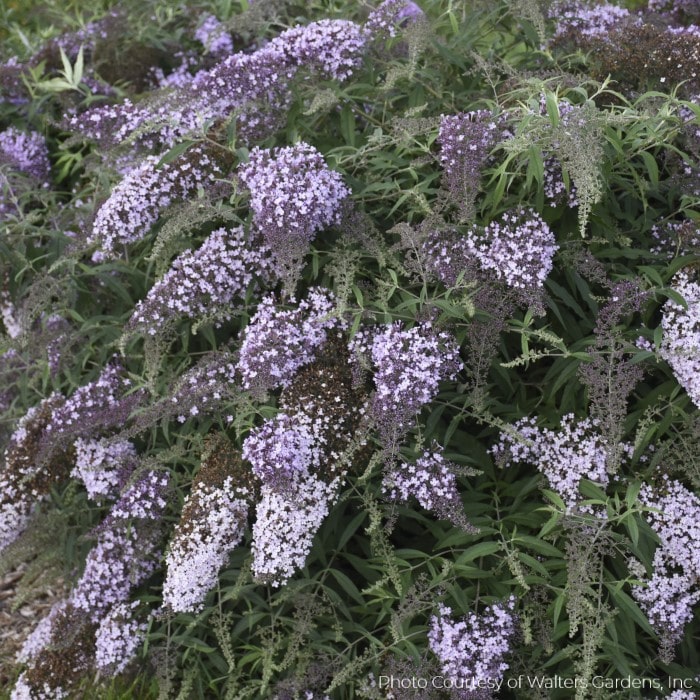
(286, 523)
(383, 22)
(103, 466)
(202, 388)
(25, 480)
(554, 187)
(25, 152)
(98, 405)
(283, 447)
(215, 522)
(432, 481)
(466, 139)
(293, 196)
(213, 36)
(677, 10)
(669, 596)
(585, 20)
(680, 346)
(202, 281)
(330, 48)
(40, 636)
(409, 364)
(576, 451)
(21, 154)
(118, 636)
(158, 123)
(517, 250)
(24, 690)
(255, 86)
(475, 646)
(126, 552)
(136, 202)
(278, 342)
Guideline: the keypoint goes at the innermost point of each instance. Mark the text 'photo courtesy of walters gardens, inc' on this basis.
(350, 350)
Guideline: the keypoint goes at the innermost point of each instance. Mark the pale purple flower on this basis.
(475, 646)
(25, 152)
(119, 634)
(432, 481)
(680, 346)
(285, 525)
(277, 342)
(215, 524)
(293, 196)
(213, 36)
(103, 466)
(202, 281)
(136, 202)
(668, 598)
(409, 366)
(565, 456)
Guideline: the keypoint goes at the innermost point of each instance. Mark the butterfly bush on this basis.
(21, 154)
(302, 457)
(517, 250)
(213, 35)
(432, 481)
(409, 366)
(25, 152)
(384, 20)
(286, 523)
(255, 86)
(118, 636)
(208, 279)
(277, 342)
(213, 523)
(98, 405)
(565, 456)
(669, 596)
(466, 140)
(585, 20)
(25, 480)
(680, 346)
(103, 466)
(136, 202)
(127, 550)
(293, 196)
(474, 647)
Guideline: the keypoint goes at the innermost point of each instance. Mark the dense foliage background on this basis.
(351, 351)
